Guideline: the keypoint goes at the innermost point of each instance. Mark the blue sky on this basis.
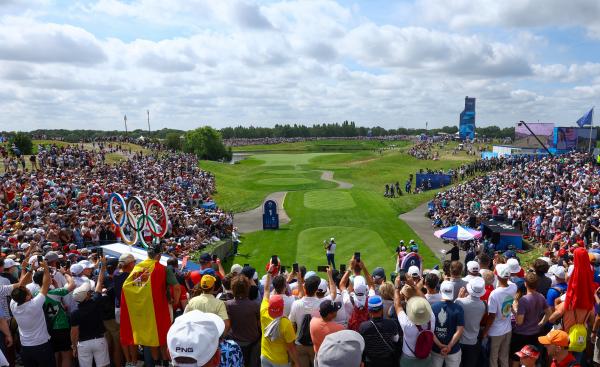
(83, 64)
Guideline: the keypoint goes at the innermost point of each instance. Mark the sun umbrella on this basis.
(457, 233)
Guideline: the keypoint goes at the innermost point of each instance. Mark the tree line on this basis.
(348, 129)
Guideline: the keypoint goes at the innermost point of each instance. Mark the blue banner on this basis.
(433, 181)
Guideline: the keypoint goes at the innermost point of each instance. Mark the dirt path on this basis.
(419, 223)
(251, 220)
(328, 176)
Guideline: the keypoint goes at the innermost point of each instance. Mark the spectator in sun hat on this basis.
(474, 310)
(449, 327)
(557, 346)
(342, 348)
(498, 326)
(472, 270)
(206, 301)
(381, 336)
(193, 339)
(528, 355)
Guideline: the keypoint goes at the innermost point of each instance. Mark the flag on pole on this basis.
(586, 119)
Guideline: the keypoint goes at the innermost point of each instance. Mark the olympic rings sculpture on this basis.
(137, 223)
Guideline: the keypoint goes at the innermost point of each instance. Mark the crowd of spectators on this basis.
(550, 199)
(62, 199)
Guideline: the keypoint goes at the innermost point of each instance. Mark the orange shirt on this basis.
(319, 329)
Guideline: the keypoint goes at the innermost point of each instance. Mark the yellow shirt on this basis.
(275, 351)
(208, 303)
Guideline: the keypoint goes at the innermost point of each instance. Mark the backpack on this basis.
(577, 338)
(304, 331)
(424, 342)
(358, 315)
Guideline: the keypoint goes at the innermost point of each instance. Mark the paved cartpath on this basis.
(328, 176)
(419, 223)
(251, 220)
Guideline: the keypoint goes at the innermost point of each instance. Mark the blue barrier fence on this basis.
(437, 180)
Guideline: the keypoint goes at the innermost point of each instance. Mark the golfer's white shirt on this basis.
(331, 249)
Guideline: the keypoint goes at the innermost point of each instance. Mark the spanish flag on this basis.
(145, 316)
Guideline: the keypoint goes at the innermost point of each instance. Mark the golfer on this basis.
(330, 251)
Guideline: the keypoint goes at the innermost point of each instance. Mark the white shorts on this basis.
(93, 350)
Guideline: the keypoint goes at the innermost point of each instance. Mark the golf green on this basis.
(349, 240)
(277, 159)
(328, 200)
(285, 181)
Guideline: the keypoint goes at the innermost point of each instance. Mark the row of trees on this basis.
(347, 129)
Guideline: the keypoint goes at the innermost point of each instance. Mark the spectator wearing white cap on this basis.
(516, 272)
(474, 308)
(558, 288)
(472, 271)
(342, 348)
(498, 326)
(193, 339)
(87, 328)
(449, 327)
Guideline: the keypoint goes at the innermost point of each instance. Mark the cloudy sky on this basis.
(83, 64)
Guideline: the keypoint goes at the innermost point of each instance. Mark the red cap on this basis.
(275, 306)
(528, 351)
(195, 276)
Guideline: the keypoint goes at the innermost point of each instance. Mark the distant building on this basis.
(466, 126)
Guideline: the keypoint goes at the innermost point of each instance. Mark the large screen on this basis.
(524, 139)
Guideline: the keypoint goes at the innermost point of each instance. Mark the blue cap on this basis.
(375, 303)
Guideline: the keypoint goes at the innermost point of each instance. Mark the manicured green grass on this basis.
(285, 181)
(360, 218)
(310, 248)
(275, 159)
(328, 200)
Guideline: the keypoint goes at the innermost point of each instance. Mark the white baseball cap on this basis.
(513, 265)
(476, 287)
(9, 263)
(473, 267)
(76, 269)
(503, 271)
(560, 272)
(413, 271)
(447, 290)
(86, 264)
(195, 334)
(323, 286)
(236, 268)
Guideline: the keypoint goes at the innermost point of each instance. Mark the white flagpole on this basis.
(591, 124)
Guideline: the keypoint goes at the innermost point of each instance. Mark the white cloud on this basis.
(24, 40)
(420, 48)
(514, 13)
(231, 62)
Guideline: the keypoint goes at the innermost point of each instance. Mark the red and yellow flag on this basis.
(145, 316)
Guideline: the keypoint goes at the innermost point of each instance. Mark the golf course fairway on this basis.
(360, 218)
